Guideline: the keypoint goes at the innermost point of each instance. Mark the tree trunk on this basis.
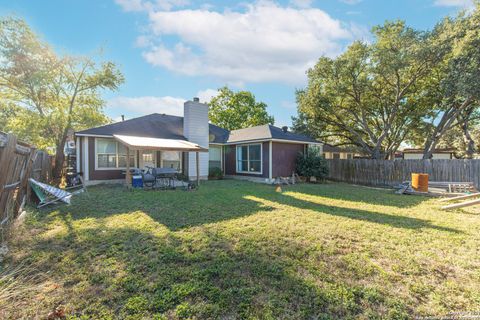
(59, 160)
(470, 144)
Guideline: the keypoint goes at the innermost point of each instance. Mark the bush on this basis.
(215, 173)
(310, 165)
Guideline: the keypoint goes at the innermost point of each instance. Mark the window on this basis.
(249, 158)
(215, 157)
(171, 159)
(111, 154)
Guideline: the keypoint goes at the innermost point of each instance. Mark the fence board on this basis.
(392, 172)
(18, 162)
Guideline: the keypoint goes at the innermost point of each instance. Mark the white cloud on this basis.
(153, 104)
(454, 3)
(351, 2)
(206, 95)
(146, 105)
(142, 5)
(301, 3)
(263, 43)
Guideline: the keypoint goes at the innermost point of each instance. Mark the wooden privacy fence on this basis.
(18, 162)
(392, 172)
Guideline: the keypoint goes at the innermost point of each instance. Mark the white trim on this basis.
(261, 158)
(77, 154)
(85, 160)
(116, 168)
(270, 160)
(273, 140)
(93, 135)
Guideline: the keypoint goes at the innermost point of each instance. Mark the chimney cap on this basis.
(285, 129)
(196, 99)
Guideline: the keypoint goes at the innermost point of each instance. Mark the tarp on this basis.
(145, 143)
(59, 194)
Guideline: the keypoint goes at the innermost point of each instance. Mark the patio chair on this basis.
(51, 195)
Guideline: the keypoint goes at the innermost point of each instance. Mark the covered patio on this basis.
(135, 143)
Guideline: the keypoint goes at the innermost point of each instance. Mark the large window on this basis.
(112, 155)
(215, 157)
(249, 158)
(172, 159)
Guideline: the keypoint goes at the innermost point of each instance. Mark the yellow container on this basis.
(420, 182)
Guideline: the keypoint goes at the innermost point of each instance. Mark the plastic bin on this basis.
(137, 182)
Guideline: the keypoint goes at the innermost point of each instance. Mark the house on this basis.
(259, 153)
(332, 152)
(417, 153)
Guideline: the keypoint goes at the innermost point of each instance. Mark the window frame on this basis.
(248, 158)
(180, 153)
(220, 147)
(132, 154)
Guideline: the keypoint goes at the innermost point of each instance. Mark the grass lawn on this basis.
(236, 249)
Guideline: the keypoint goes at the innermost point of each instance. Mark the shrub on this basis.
(215, 173)
(311, 164)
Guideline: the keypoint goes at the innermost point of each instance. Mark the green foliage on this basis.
(406, 86)
(236, 110)
(311, 164)
(215, 173)
(362, 96)
(49, 94)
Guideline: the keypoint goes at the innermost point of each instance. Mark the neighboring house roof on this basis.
(420, 150)
(334, 149)
(266, 132)
(154, 125)
(171, 127)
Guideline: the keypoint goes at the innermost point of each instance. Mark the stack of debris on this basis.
(438, 188)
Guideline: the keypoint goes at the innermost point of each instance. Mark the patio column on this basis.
(128, 177)
(198, 167)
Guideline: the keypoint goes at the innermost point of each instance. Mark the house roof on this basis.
(420, 150)
(164, 126)
(266, 132)
(154, 125)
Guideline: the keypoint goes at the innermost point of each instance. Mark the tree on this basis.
(362, 97)
(52, 94)
(452, 91)
(235, 110)
(311, 164)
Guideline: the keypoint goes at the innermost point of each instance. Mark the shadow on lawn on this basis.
(124, 271)
(174, 209)
(370, 195)
(395, 221)
(226, 200)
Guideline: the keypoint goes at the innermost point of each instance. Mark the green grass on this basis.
(241, 250)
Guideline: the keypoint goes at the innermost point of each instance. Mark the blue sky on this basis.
(173, 50)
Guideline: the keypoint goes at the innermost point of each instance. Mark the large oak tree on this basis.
(362, 97)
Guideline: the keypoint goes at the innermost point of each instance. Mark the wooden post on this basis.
(128, 176)
(198, 167)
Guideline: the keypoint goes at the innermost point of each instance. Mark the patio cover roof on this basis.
(142, 143)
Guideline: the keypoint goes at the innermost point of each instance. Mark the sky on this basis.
(173, 50)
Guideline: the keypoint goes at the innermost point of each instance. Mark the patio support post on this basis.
(197, 156)
(128, 178)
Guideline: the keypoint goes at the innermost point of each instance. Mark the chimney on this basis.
(285, 129)
(196, 130)
(123, 117)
